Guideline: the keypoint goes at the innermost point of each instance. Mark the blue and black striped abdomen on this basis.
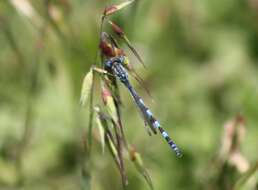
(148, 116)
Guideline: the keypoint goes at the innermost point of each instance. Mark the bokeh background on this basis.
(202, 70)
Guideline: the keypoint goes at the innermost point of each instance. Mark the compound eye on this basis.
(108, 63)
(121, 58)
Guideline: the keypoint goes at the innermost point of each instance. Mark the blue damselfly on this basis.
(115, 66)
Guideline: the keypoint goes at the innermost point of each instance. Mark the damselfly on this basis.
(115, 66)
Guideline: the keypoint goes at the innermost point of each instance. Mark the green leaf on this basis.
(86, 87)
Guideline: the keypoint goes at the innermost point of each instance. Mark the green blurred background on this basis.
(202, 70)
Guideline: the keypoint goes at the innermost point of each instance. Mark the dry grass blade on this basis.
(114, 8)
(120, 152)
(86, 87)
(103, 119)
(25, 8)
(243, 180)
(4, 26)
(115, 147)
(138, 163)
(119, 31)
(234, 131)
(102, 71)
(137, 55)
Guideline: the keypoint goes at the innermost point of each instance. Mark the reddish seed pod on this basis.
(109, 10)
(106, 49)
(240, 119)
(105, 93)
(114, 8)
(132, 153)
(118, 30)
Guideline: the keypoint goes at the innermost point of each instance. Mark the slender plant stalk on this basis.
(107, 137)
(87, 152)
(9, 36)
(28, 129)
(120, 154)
(91, 107)
(52, 22)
